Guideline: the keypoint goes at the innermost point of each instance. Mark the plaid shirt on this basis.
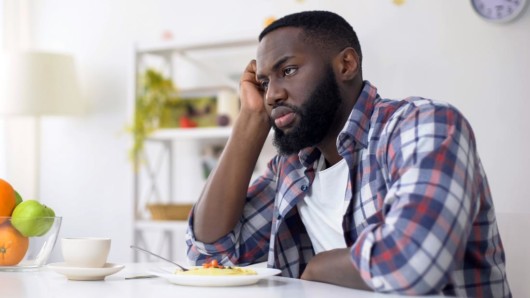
(420, 218)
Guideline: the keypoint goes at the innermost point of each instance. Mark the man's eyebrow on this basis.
(276, 65)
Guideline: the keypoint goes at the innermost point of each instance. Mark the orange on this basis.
(13, 246)
(8, 199)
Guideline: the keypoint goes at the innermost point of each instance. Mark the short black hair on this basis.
(325, 29)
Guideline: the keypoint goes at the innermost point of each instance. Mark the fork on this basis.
(158, 256)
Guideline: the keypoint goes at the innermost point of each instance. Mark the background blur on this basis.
(439, 49)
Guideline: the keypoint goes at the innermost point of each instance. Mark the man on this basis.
(365, 192)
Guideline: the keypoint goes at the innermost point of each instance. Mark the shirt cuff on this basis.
(221, 246)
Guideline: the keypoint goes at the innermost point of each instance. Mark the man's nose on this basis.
(275, 93)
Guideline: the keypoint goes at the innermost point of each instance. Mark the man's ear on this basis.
(347, 64)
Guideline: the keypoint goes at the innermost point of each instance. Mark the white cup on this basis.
(85, 252)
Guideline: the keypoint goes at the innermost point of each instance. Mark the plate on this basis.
(217, 281)
(82, 273)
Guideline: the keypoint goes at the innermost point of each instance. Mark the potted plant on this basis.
(154, 92)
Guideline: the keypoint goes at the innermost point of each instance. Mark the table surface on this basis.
(47, 284)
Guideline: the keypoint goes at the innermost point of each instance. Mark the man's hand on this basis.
(334, 267)
(250, 91)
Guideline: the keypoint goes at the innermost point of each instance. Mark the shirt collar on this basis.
(355, 130)
(358, 125)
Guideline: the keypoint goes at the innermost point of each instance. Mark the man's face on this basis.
(300, 89)
(316, 115)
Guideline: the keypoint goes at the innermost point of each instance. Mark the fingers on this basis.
(249, 75)
(250, 91)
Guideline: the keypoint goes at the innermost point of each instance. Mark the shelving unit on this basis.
(157, 179)
(157, 235)
(191, 134)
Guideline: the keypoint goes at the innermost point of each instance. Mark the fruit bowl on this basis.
(26, 243)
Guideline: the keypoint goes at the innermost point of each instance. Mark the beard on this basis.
(316, 115)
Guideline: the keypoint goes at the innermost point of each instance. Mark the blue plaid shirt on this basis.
(420, 218)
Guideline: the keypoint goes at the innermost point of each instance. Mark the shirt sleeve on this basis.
(430, 159)
(248, 242)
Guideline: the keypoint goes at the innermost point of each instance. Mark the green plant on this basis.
(154, 92)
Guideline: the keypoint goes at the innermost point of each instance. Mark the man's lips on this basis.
(283, 116)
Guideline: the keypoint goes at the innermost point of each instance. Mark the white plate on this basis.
(81, 273)
(217, 281)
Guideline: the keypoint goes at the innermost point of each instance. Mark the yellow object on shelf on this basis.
(171, 211)
(268, 21)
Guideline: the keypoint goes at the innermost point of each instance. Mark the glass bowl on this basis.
(31, 252)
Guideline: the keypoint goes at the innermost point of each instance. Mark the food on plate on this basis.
(213, 268)
(217, 271)
(13, 245)
(31, 218)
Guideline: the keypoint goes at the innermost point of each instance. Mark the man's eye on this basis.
(264, 85)
(288, 71)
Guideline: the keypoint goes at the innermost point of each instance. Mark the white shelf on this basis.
(191, 133)
(173, 47)
(202, 133)
(160, 224)
(204, 91)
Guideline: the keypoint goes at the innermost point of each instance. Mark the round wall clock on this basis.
(499, 11)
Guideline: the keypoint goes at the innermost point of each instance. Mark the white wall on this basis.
(3, 161)
(437, 48)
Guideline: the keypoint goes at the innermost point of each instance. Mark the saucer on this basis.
(83, 273)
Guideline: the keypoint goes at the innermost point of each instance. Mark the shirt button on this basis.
(279, 217)
(304, 187)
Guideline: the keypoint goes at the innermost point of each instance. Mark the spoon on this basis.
(158, 256)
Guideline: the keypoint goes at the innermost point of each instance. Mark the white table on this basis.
(48, 284)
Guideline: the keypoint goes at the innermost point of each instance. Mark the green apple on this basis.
(31, 218)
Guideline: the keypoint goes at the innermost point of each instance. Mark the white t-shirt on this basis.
(324, 206)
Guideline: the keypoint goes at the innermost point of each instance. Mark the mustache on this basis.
(283, 104)
(295, 109)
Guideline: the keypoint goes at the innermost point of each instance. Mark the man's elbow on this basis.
(408, 283)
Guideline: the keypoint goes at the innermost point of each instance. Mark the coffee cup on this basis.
(85, 252)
